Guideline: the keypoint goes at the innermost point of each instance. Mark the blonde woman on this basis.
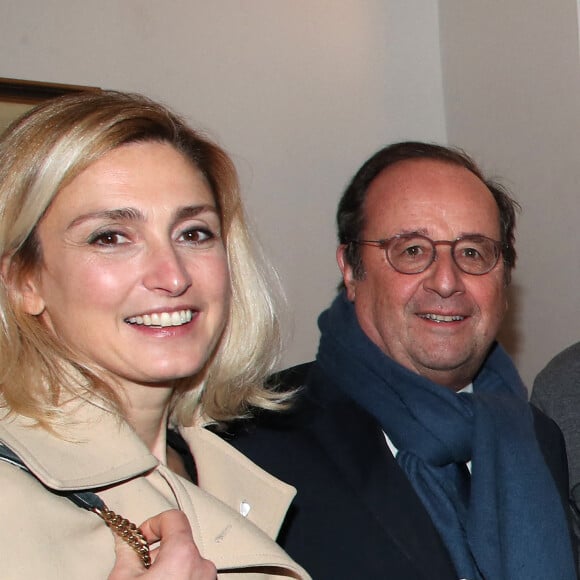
(134, 315)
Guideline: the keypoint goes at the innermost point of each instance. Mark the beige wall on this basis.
(299, 91)
(512, 94)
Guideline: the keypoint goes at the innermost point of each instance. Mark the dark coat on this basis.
(356, 514)
(557, 393)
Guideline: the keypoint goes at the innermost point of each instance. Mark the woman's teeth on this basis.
(162, 319)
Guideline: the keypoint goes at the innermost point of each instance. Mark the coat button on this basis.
(245, 508)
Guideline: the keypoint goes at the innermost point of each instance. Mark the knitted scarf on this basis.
(507, 521)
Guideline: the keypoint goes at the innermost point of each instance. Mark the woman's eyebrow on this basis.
(194, 210)
(133, 214)
(119, 214)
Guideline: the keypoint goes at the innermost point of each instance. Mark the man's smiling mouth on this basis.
(162, 319)
(441, 318)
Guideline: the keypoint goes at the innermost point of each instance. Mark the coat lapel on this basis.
(357, 447)
(237, 481)
(225, 537)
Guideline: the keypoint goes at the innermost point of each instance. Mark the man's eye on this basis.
(410, 249)
(414, 251)
(471, 253)
(108, 238)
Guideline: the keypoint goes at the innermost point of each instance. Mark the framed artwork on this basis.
(17, 96)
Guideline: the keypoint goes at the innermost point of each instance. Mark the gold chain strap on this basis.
(128, 532)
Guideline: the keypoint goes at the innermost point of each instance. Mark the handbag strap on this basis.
(85, 499)
(90, 501)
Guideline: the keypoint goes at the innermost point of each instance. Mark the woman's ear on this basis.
(23, 289)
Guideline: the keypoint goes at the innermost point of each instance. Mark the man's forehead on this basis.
(413, 190)
(408, 168)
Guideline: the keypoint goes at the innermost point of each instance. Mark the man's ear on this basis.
(23, 289)
(347, 273)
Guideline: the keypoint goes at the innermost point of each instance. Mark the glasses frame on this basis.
(385, 243)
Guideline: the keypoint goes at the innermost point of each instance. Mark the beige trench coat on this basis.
(44, 535)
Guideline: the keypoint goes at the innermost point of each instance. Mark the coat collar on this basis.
(98, 449)
(102, 450)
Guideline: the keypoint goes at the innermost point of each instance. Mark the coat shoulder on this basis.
(560, 378)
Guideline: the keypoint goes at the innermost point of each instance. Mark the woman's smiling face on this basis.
(134, 273)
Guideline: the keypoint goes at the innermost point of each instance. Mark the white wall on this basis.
(299, 91)
(512, 94)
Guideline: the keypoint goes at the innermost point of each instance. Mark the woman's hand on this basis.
(176, 557)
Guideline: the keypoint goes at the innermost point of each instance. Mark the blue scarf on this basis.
(507, 521)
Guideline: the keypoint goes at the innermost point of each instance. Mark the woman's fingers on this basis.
(128, 565)
(170, 524)
(175, 558)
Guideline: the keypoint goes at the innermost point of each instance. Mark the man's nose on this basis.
(444, 276)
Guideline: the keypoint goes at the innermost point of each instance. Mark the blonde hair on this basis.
(40, 154)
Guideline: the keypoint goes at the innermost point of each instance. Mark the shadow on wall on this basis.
(510, 334)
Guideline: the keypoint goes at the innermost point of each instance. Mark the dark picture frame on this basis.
(17, 96)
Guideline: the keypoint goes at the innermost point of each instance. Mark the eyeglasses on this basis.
(414, 253)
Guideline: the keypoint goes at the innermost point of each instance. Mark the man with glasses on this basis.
(411, 444)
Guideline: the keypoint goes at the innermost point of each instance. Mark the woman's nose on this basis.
(166, 271)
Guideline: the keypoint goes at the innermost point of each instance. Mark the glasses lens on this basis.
(476, 255)
(410, 254)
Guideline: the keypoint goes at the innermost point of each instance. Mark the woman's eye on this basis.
(108, 238)
(197, 235)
